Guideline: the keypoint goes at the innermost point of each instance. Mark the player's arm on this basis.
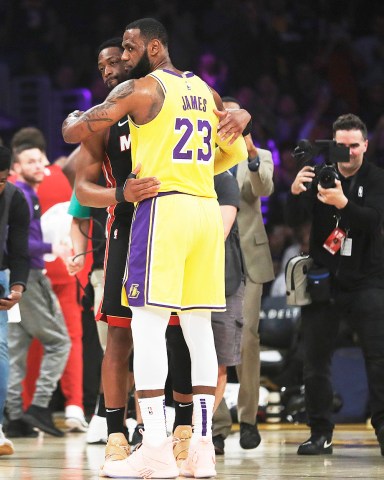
(89, 162)
(228, 153)
(89, 166)
(79, 236)
(128, 98)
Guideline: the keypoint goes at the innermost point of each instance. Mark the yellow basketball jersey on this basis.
(178, 146)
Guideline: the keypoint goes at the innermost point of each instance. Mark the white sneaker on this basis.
(6, 446)
(145, 462)
(74, 419)
(201, 461)
(97, 430)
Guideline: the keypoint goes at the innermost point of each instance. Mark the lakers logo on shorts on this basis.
(134, 291)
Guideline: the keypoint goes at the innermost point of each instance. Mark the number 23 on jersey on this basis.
(191, 146)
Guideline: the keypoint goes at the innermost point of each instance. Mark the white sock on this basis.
(202, 416)
(153, 414)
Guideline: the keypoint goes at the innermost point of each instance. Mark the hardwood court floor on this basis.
(356, 455)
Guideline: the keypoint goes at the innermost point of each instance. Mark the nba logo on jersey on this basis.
(134, 291)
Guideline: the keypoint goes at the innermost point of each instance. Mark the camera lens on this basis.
(327, 176)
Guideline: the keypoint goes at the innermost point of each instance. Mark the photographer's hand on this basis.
(333, 196)
(305, 175)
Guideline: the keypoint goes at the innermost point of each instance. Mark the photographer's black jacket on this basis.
(363, 217)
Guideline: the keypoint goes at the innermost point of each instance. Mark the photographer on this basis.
(346, 240)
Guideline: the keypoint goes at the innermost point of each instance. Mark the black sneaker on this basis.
(41, 418)
(380, 438)
(316, 445)
(249, 436)
(20, 429)
(218, 443)
(137, 437)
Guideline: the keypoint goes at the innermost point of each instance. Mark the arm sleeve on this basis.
(17, 242)
(226, 156)
(37, 248)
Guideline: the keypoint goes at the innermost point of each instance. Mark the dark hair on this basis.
(112, 42)
(31, 136)
(150, 28)
(350, 121)
(230, 99)
(5, 158)
(20, 148)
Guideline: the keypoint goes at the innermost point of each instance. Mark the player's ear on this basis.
(154, 47)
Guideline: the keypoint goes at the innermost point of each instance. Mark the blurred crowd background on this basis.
(294, 65)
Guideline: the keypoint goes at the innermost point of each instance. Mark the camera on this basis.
(325, 173)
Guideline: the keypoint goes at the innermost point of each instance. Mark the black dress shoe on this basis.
(316, 445)
(41, 418)
(20, 429)
(249, 436)
(380, 438)
(219, 444)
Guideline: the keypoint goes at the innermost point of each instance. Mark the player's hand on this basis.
(232, 123)
(251, 148)
(305, 176)
(138, 189)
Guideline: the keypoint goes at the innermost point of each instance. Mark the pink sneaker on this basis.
(201, 461)
(145, 462)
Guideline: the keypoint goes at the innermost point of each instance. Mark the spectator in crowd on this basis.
(41, 316)
(56, 189)
(228, 326)
(14, 268)
(254, 177)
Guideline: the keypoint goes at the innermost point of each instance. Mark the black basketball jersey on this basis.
(117, 165)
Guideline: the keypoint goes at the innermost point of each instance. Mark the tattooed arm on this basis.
(136, 98)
